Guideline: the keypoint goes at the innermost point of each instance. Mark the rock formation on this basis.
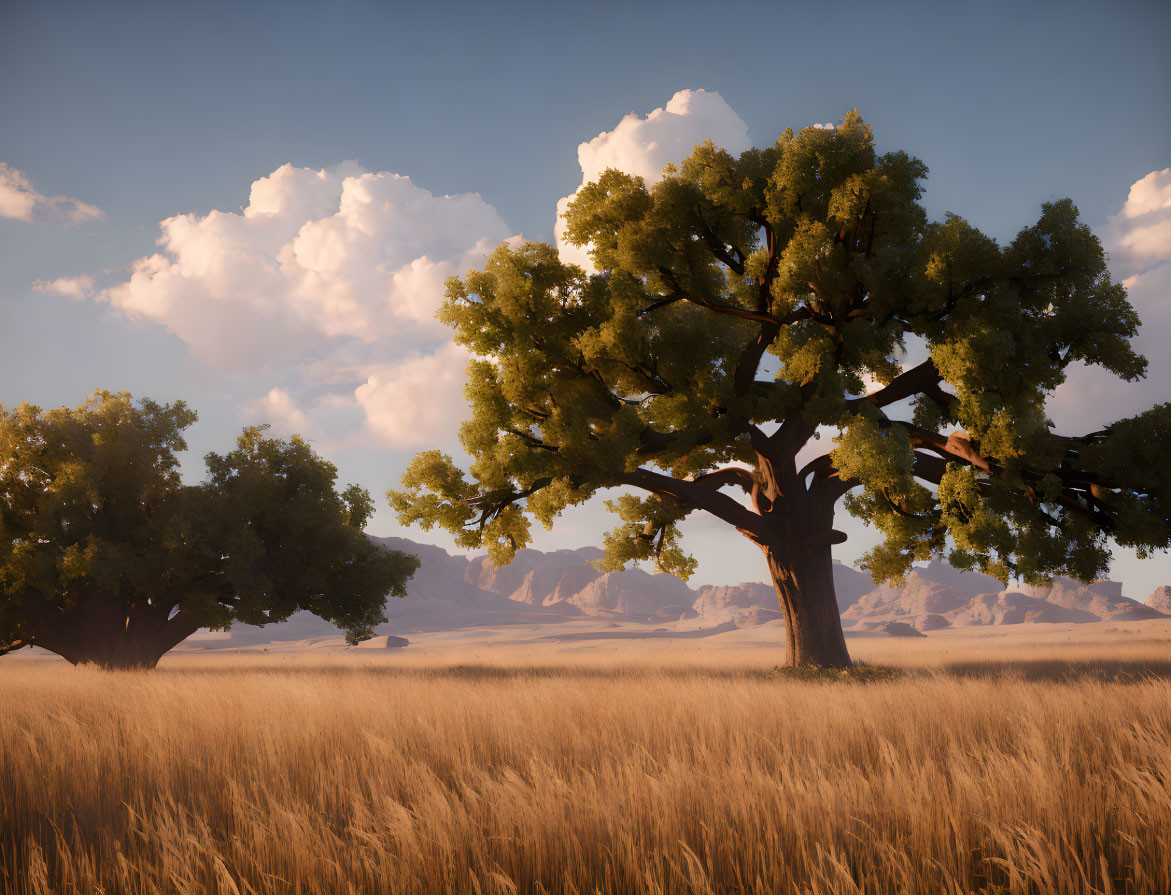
(1160, 599)
(1012, 608)
(901, 629)
(1102, 599)
(632, 592)
(719, 603)
(452, 592)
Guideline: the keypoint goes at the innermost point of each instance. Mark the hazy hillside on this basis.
(1160, 599)
(1103, 599)
(451, 592)
(938, 596)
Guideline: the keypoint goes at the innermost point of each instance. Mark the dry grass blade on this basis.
(565, 775)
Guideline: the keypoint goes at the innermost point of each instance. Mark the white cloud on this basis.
(1139, 235)
(19, 201)
(321, 293)
(1152, 193)
(417, 401)
(76, 288)
(315, 259)
(1139, 240)
(1147, 243)
(644, 145)
(278, 410)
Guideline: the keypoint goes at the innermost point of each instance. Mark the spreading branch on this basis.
(956, 445)
(924, 379)
(679, 294)
(699, 497)
(729, 476)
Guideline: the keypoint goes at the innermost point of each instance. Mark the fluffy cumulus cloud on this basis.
(316, 259)
(327, 283)
(1139, 241)
(1144, 224)
(321, 292)
(19, 201)
(418, 394)
(645, 144)
(279, 410)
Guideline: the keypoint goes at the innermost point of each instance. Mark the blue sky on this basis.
(148, 111)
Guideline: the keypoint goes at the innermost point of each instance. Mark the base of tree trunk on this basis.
(135, 657)
(813, 625)
(102, 631)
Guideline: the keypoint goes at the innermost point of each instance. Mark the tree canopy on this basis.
(741, 306)
(106, 556)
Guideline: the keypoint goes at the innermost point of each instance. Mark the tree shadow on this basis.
(1061, 670)
(468, 671)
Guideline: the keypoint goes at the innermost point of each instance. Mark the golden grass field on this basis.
(683, 768)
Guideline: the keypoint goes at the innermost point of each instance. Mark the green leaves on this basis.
(812, 259)
(93, 512)
(650, 531)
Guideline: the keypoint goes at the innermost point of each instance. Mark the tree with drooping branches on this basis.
(744, 306)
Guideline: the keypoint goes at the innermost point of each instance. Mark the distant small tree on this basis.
(654, 374)
(107, 557)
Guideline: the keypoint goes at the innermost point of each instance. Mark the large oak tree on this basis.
(743, 306)
(107, 557)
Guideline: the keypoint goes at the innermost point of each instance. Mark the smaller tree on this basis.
(107, 557)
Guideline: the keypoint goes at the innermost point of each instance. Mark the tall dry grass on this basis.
(259, 775)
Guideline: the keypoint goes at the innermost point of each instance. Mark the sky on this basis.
(253, 207)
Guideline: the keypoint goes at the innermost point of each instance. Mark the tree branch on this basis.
(679, 294)
(954, 445)
(700, 497)
(719, 249)
(532, 441)
(731, 475)
(654, 442)
(928, 467)
(923, 379)
(826, 478)
(494, 503)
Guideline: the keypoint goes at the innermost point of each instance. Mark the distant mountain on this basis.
(850, 585)
(1160, 599)
(1013, 608)
(452, 592)
(717, 604)
(636, 594)
(721, 603)
(938, 596)
(1102, 599)
(918, 595)
(535, 577)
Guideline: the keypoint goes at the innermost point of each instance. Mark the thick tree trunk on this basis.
(103, 631)
(805, 589)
